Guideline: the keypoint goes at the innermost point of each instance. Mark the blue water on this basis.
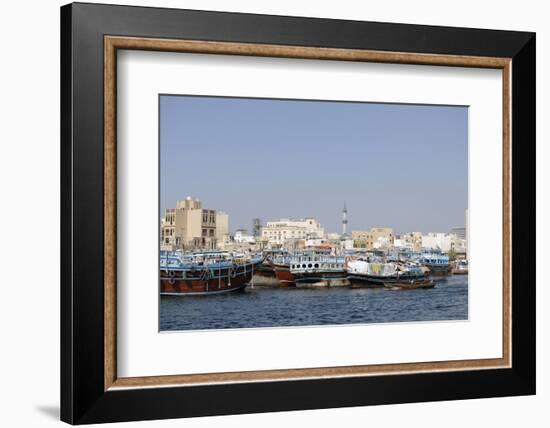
(276, 307)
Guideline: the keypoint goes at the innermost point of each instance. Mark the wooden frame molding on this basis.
(113, 43)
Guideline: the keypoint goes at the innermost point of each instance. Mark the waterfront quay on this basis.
(199, 256)
(293, 272)
(216, 272)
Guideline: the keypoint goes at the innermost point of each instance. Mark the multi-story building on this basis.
(458, 244)
(376, 237)
(279, 231)
(459, 231)
(168, 229)
(242, 237)
(256, 227)
(437, 241)
(222, 226)
(189, 225)
(444, 242)
(413, 240)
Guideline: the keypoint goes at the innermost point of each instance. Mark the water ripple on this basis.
(276, 307)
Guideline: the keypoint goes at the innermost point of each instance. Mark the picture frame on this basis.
(91, 391)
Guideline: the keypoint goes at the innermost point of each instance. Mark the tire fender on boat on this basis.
(171, 275)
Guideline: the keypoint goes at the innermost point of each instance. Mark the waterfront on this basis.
(278, 307)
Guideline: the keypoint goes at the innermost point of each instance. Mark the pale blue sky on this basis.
(395, 165)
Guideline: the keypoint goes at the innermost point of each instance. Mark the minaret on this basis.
(344, 220)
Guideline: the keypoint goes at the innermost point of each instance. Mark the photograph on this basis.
(275, 211)
(292, 212)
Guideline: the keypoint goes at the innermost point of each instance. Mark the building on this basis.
(412, 240)
(278, 232)
(242, 237)
(168, 229)
(190, 226)
(222, 226)
(375, 238)
(459, 231)
(459, 245)
(444, 242)
(256, 227)
(344, 222)
(438, 241)
(399, 243)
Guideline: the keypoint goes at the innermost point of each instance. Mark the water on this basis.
(277, 307)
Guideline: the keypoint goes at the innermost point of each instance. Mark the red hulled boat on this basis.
(205, 273)
(281, 267)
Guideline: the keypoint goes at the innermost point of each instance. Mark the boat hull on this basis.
(239, 287)
(204, 281)
(410, 285)
(265, 270)
(377, 281)
(367, 281)
(321, 279)
(439, 270)
(284, 276)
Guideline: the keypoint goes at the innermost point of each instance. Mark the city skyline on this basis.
(393, 165)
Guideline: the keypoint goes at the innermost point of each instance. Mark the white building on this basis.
(403, 244)
(382, 242)
(346, 244)
(436, 241)
(242, 237)
(279, 231)
(444, 242)
(315, 242)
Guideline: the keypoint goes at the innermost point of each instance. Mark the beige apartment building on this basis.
(413, 240)
(278, 232)
(376, 237)
(189, 225)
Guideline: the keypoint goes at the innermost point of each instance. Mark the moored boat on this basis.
(437, 263)
(460, 267)
(264, 275)
(364, 273)
(281, 267)
(410, 284)
(319, 270)
(205, 273)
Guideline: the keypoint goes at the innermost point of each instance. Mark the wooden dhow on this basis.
(205, 273)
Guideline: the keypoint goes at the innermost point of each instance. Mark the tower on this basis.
(256, 227)
(344, 220)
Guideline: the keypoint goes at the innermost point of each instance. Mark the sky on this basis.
(394, 165)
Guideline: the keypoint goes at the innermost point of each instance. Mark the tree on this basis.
(452, 254)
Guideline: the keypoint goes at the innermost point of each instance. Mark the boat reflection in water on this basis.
(202, 273)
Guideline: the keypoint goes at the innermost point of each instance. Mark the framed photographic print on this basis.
(266, 213)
